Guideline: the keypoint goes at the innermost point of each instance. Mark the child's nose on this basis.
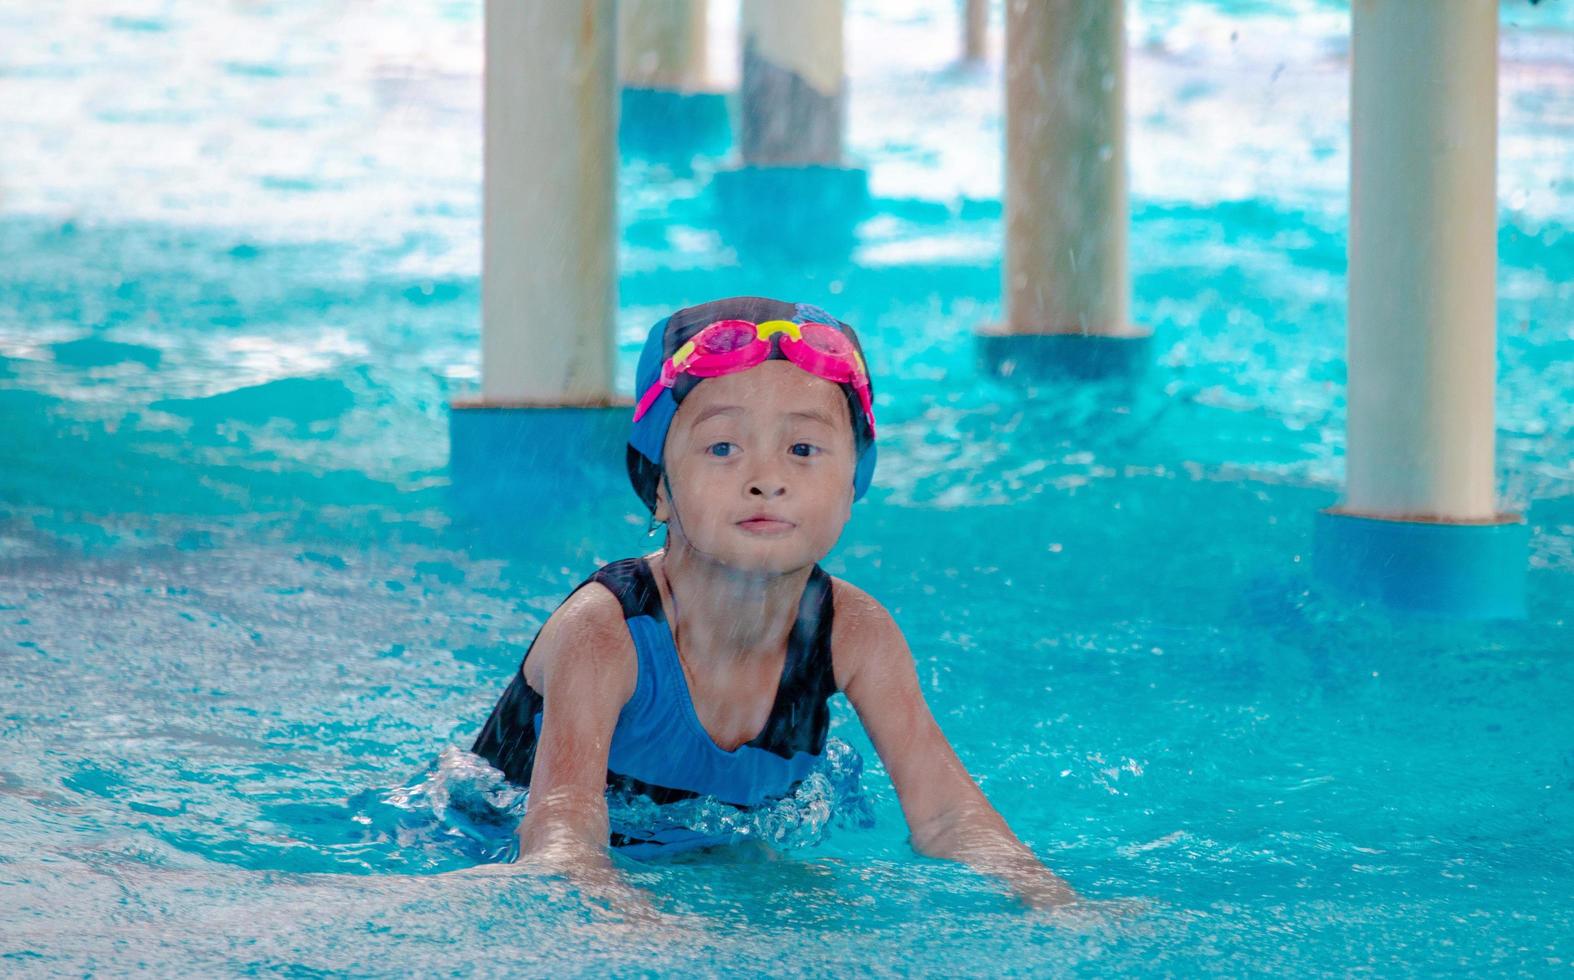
(766, 476)
(767, 487)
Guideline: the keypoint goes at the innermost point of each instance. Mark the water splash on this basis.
(830, 796)
(461, 808)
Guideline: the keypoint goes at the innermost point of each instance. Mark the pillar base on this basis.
(534, 459)
(801, 212)
(671, 125)
(1047, 356)
(1458, 571)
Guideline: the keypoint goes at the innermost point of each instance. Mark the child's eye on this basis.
(808, 449)
(721, 449)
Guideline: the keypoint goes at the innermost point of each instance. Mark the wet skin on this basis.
(775, 442)
(759, 485)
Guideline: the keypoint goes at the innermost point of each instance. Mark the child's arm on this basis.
(584, 666)
(947, 815)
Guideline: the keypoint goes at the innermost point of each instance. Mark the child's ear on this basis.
(662, 513)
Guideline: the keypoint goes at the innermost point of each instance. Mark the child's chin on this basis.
(768, 555)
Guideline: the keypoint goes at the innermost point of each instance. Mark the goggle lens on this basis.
(727, 336)
(827, 340)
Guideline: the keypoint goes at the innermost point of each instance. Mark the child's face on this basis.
(771, 440)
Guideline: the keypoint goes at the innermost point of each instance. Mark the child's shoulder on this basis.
(861, 630)
(615, 592)
(850, 600)
(590, 623)
(593, 605)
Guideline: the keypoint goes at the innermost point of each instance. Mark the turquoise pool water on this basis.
(247, 628)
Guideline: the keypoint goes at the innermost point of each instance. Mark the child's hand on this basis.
(1039, 888)
(600, 887)
(1100, 913)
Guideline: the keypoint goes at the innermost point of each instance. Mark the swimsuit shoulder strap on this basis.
(800, 717)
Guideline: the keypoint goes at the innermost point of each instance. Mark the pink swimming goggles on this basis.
(729, 346)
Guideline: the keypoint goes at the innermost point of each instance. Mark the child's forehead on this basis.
(775, 388)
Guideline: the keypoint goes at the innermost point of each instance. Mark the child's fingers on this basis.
(1105, 913)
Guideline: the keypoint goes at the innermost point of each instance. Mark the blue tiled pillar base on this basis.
(803, 212)
(1460, 571)
(532, 457)
(1044, 356)
(664, 124)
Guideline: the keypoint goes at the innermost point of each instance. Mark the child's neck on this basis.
(724, 614)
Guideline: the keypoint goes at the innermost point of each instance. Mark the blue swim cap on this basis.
(648, 436)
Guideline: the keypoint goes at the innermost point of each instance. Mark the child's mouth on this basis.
(766, 525)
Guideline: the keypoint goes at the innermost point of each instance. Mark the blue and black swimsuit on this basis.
(659, 748)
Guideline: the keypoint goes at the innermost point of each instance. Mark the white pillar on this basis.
(1423, 259)
(1065, 193)
(662, 44)
(975, 29)
(793, 92)
(548, 281)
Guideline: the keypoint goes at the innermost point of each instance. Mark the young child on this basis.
(704, 668)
